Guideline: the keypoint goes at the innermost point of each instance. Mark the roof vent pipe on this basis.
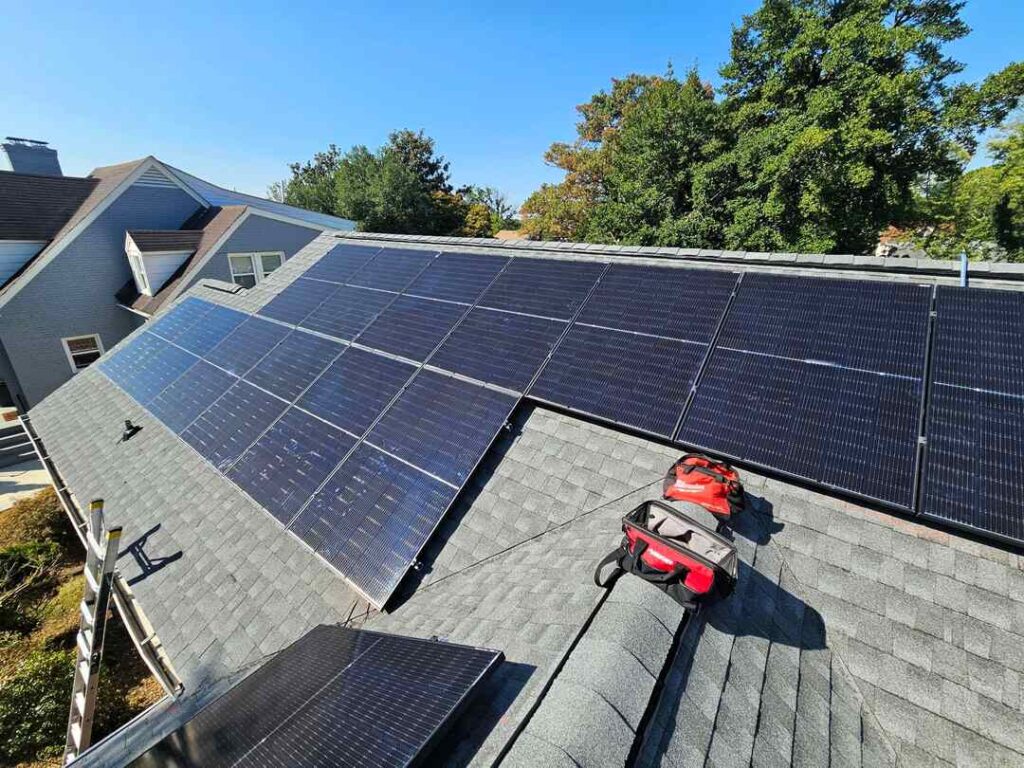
(963, 269)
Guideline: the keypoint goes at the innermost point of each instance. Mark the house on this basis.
(85, 261)
(858, 634)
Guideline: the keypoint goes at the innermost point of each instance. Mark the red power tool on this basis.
(701, 480)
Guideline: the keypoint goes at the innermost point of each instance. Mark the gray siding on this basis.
(74, 294)
(256, 234)
(8, 376)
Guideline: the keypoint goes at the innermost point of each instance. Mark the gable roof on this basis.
(37, 207)
(854, 637)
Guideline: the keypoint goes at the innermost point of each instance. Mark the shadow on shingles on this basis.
(148, 564)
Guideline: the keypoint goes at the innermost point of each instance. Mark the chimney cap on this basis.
(33, 142)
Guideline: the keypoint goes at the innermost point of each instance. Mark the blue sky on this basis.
(234, 91)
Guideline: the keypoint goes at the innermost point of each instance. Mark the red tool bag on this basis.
(701, 480)
(689, 562)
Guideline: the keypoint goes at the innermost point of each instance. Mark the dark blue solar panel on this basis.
(246, 345)
(457, 276)
(341, 262)
(229, 426)
(979, 339)
(543, 287)
(499, 347)
(372, 518)
(442, 424)
(180, 318)
(347, 312)
(285, 466)
(392, 269)
(355, 389)
(146, 365)
(298, 300)
(412, 327)
(180, 403)
(843, 428)
(679, 303)
(974, 461)
(293, 364)
(876, 326)
(638, 381)
(210, 330)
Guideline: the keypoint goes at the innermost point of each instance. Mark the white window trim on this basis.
(70, 356)
(256, 260)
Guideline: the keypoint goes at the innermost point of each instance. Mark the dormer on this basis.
(155, 255)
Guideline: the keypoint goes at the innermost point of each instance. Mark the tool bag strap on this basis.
(687, 468)
(627, 561)
(616, 557)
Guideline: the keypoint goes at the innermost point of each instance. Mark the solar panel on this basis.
(293, 364)
(665, 301)
(179, 319)
(499, 347)
(335, 697)
(181, 402)
(872, 325)
(146, 365)
(392, 269)
(639, 381)
(457, 276)
(843, 428)
(289, 462)
(372, 518)
(442, 424)
(341, 262)
(353, 391)
(979, 339)
(543, 287)
(974, 461)
(345, 313)
(246, 345)
(231, 424)
(298, 300)
(412, 327)
(210, 330)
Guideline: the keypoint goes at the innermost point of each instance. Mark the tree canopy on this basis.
(829, 117)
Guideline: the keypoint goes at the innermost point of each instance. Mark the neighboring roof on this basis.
(220, 196)
(853, 638)
(36, 207)
(155, 240)
(211, 224)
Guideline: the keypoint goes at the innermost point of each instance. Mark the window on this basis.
(140, 273)
(247, 269)
(82, 351)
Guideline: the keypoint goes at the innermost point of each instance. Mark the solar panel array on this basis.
(357, 402)
(338, 697)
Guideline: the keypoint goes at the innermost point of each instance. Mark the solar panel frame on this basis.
(287, 464)
(346, 312)
(804, 421)
(372, 518)
(298, 301)
(456, 276)
(392, 269)
(411, 327)
(290, 367)
(442, 424)
(634, 380)
(543, 287)
(870, 325)
(355, 389)
(685, 304)
(499, 347)
(342, 262)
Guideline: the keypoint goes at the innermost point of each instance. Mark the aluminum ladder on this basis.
(100, 558)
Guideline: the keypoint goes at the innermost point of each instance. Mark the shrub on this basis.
(34, 706)
(38, 517)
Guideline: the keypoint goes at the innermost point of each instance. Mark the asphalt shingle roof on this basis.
(854, 638)
(36, 207)
(149, 240)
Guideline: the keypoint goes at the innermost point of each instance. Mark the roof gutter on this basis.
(139, 629)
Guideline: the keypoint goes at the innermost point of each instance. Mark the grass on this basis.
(40, 589)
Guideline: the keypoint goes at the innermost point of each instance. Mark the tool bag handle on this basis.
(688, 468)
(628, 561)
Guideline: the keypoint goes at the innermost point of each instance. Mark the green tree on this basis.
(501, 210)
(478, 221)
(417, 152)
(311, 185)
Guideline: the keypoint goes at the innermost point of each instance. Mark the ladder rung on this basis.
(80, 703)
(83, 644)
(83, 670)
(90, 580)
(97, 549)
(86, 611)
(76, 734)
